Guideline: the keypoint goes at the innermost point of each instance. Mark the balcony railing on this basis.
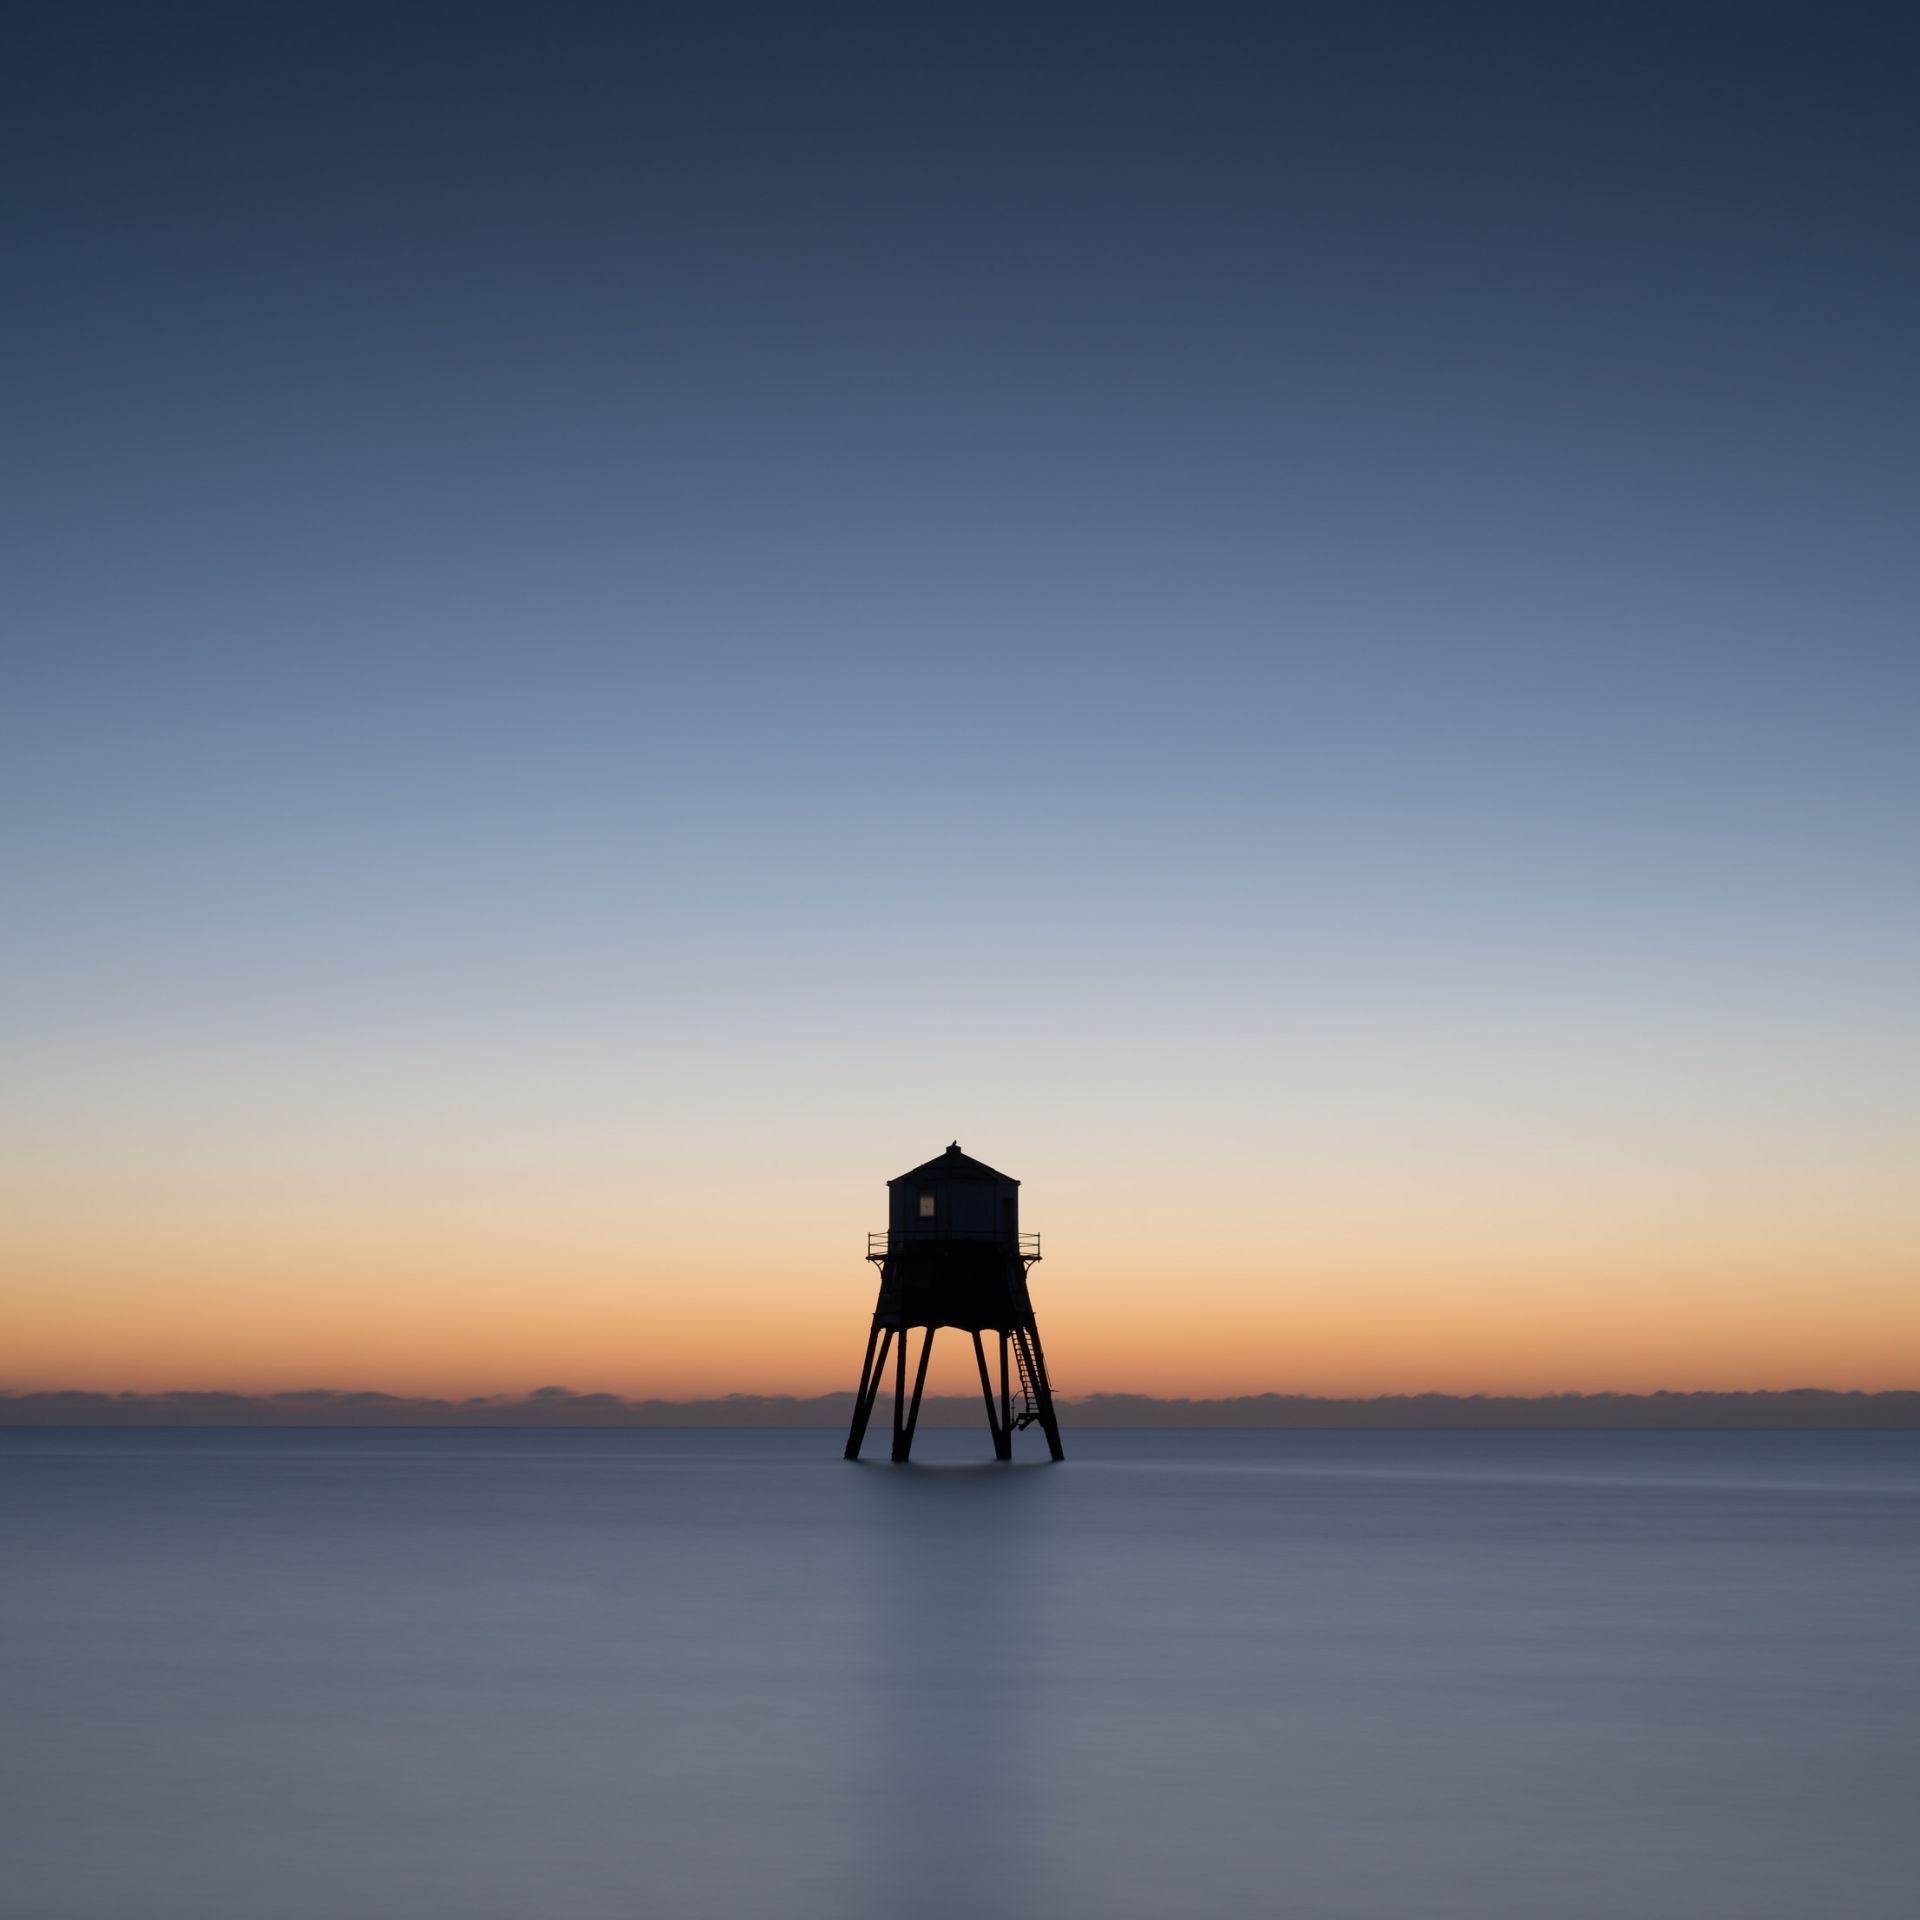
(879, 1244)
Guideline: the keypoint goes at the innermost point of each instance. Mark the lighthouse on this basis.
(953, 1255)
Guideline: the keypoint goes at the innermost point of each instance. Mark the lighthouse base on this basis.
(1023, 1373)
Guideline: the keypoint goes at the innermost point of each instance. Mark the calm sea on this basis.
(269, 1676)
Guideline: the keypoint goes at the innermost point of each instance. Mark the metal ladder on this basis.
(1030, 1412)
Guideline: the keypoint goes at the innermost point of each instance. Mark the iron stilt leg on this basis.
(863, 1412)
(899, 1392)
(1002, 1440)
(1043, 1387)
(863, 1398)
(903, 1430)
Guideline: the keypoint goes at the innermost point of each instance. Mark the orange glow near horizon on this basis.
(1324, 1294)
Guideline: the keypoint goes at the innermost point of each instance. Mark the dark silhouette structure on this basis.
(953, 1255)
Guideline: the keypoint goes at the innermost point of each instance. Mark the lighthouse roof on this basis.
(954, 1165)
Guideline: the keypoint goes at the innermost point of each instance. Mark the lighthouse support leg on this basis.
(905, 1422)
(855, 1431)
(899, 1392)
(1002, 1439)
(1043, 1388)
(872, 1372)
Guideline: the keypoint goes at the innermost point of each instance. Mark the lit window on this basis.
(926, 1206)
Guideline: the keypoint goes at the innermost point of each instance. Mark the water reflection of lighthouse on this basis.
(953, 1255)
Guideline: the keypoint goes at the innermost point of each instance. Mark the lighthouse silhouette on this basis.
(953, 1255)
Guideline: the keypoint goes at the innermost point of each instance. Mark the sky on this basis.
(1297, 623)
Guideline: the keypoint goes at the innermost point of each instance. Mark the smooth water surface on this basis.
(274, 1676)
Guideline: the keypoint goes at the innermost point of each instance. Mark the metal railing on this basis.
(880, 1244)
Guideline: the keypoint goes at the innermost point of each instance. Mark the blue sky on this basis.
(1257, 570)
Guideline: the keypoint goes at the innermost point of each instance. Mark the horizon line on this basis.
(556, 1406)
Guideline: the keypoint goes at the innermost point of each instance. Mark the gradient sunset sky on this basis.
(1302, 624)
